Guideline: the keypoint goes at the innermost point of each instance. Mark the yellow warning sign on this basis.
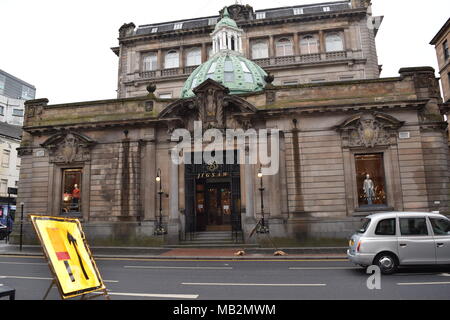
(68, 254)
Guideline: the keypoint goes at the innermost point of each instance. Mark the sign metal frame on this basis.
(80, 245)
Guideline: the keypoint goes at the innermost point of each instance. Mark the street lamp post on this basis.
(263, 228)
(21, 224)
(160, 229)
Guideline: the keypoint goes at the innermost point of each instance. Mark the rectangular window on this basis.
(370, 180)
(298, 11)
(17, 112)
(178, 26)
(413, 227)
(260, 15)
(386, 228)
(72, 192)
(5, 158)
(154, 30)
(2, 83)
(150, 62)
(2, 110)
(3, 186)
(326, 9)
(212, 21)
(165, 96)
(27, 93)
(446, 52)
(290, 83)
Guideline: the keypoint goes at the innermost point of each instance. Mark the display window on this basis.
(370, 180)
(71, 197)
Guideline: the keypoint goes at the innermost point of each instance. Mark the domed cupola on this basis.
(227, 65)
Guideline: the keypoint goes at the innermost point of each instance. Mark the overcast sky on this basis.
(62, 47)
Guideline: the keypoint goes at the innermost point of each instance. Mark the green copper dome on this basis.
(230, 69)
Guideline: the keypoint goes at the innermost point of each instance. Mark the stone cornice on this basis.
(406, 104)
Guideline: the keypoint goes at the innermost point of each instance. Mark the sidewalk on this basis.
(193, 253)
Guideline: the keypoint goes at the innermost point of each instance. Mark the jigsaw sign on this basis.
(68, 255)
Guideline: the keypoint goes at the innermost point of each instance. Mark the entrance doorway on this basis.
(213, 197)
(213, 205)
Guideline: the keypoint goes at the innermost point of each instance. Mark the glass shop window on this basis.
(71, 191)
(370, 180)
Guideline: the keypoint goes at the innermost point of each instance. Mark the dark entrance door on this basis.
(213, 205)
(213, 197)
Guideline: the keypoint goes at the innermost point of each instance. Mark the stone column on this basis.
(148, 187)
(249, 221)
(296, 45)
(174, 213)
(273, 192)
(181, 59)
(322, 48)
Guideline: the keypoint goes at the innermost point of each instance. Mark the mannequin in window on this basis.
(368, 188)
(76, 196)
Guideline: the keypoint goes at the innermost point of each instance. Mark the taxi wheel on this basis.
(387, 263)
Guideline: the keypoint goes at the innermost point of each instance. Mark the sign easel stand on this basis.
(86, 296)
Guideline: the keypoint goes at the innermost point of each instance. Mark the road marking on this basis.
(195, 260)
(40, 278)
(222, 260)
(155, 295)
(33, 263)
(254, 284)
(422, 283)
(325, 268)
(191, 268)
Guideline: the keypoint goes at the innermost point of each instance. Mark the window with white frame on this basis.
(193, 57)
(298, 11)
(2, 83)
(309, 45)
(3, 186)
(212, 21)
(260, 15)
(333, 42)
(178, 26)
(171, 60)
(260, 50)
(154, 29)
(150, 62)
(2, 110)
(17, 112)
(326, 9)
(6, 155)
(284, 47)
(27, 93)
(165, 95)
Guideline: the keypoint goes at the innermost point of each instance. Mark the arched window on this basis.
(260, 50)
(149, 62)
(333, 42)
(309, 45)
(194, 57)
(284, 47)
(172, 60)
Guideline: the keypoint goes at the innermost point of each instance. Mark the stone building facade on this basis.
(344, 149)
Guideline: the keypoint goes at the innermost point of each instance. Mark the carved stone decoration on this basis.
(239, 12)
(368, 130)
(68, 147)
(212, 105)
